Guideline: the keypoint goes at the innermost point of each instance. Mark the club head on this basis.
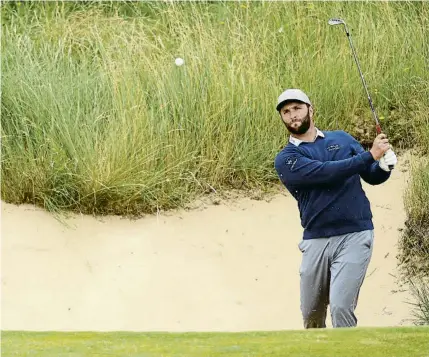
(336, 22)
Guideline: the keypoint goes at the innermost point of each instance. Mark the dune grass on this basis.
(96, 117)
(414, 243)
(360, 342)
(419, 288)
(413, 255)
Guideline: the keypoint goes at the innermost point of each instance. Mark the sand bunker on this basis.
(227, 267)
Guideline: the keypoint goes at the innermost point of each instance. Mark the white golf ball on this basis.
(179, 61)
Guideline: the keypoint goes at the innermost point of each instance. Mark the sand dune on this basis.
(227, 267)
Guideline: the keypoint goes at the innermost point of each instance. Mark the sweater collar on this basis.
(296, 141)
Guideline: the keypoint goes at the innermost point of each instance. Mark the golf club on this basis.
(337, 21)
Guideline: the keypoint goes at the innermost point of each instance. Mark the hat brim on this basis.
(281, 104)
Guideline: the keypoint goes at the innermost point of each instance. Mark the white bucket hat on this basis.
(292, 94)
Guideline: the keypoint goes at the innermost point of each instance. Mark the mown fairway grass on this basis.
(360, 342)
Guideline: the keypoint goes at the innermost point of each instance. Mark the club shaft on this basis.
(377, 124)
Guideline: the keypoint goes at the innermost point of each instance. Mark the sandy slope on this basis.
(226, 267)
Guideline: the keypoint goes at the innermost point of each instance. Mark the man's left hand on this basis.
(389, 158)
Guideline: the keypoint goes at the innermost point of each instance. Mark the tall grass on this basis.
(97, 118)
(414, 243)
(419, 288)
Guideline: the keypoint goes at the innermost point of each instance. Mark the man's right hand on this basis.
(379, 146)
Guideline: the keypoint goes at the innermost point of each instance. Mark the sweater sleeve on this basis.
(298, 170)
(373, 174)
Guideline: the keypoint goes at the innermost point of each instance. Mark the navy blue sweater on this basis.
(324, 177)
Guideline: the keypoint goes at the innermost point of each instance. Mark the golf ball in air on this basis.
(179, 61)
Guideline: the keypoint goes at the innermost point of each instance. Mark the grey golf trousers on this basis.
(332, 272)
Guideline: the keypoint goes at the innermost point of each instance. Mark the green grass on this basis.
(374, 342)
(96, 117)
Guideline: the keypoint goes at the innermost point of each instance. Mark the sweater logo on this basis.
(333, 147)
(291, 162)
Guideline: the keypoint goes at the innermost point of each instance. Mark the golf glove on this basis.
(389, 158)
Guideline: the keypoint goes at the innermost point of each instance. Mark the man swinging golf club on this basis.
(322, 171)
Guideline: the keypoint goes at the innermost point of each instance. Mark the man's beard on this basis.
(302, 129)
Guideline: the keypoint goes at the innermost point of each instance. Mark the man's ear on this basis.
(310, 111)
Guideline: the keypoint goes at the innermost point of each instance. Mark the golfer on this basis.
(322, 171)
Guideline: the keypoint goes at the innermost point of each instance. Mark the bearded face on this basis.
(296, 117)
